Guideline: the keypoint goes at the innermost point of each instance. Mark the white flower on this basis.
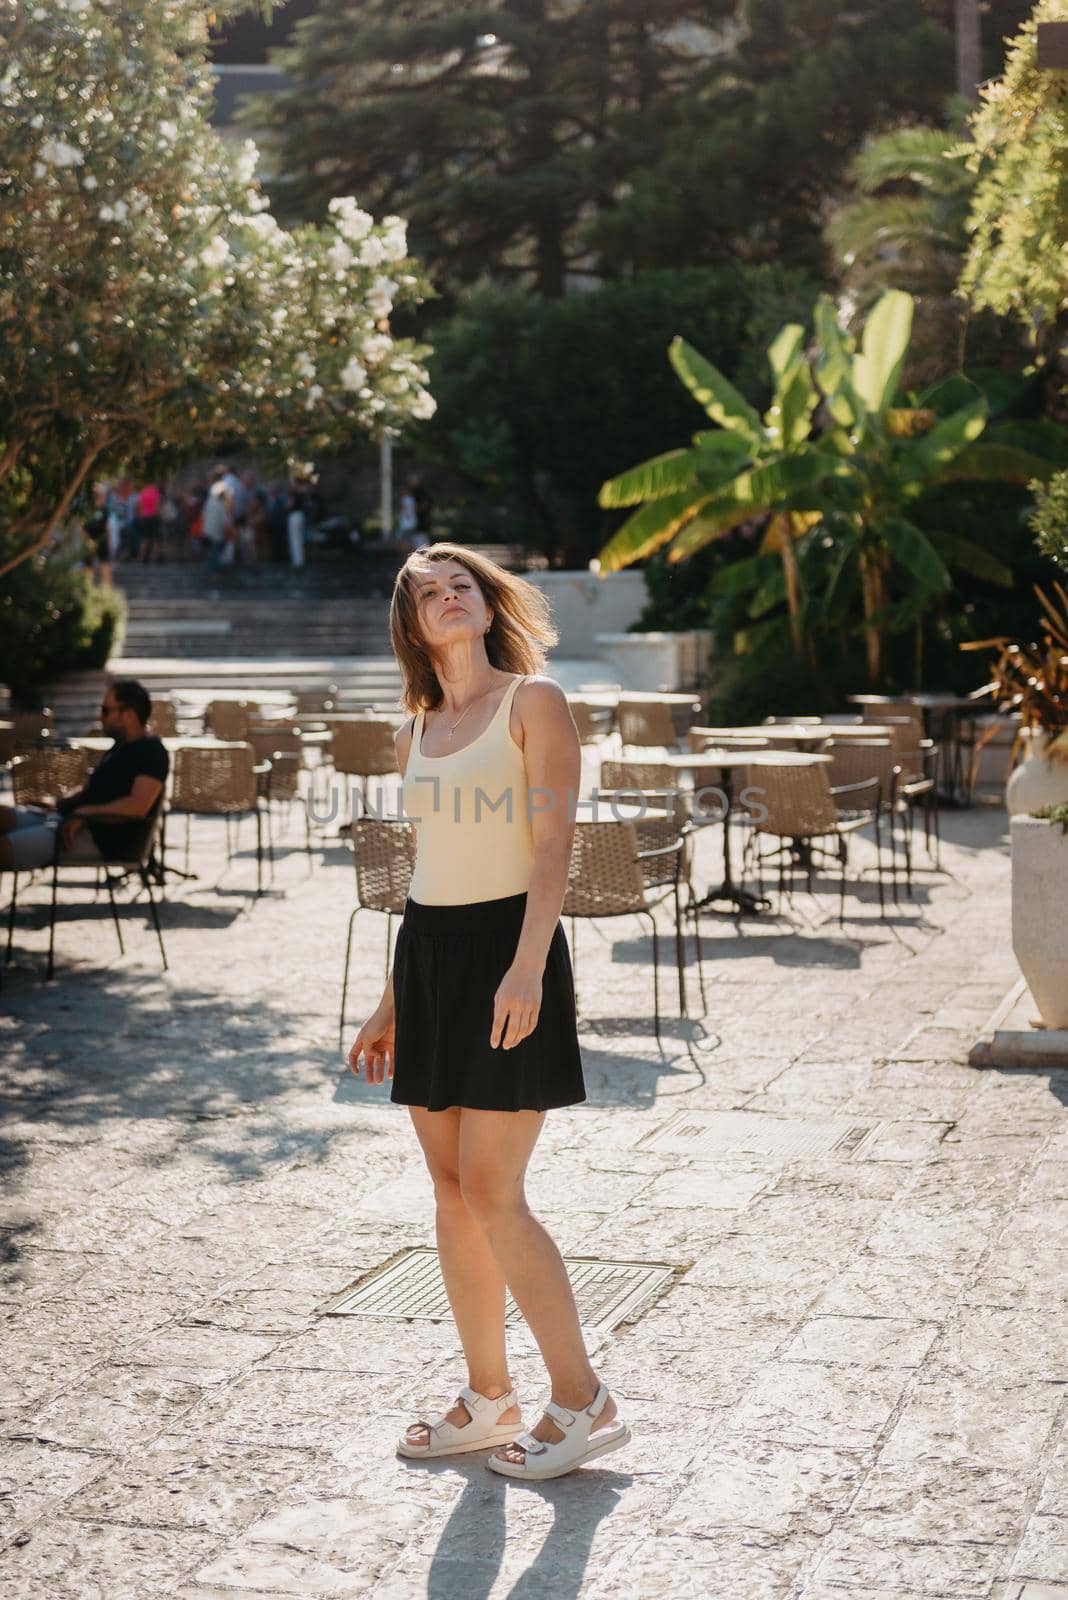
(263, 225)
(353, 375)
(395, 238)
(423, 406)
(89, 182)
(315, 394)
(215, 253)
(372, 252)
(74, 348)
(376, 347)
(380, 298)
(305, 365)
(116, 213)
(341, 256)
(352, 223)
(246, 161)
(57, 153)
(168, 131)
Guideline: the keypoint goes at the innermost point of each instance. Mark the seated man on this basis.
(104, 821)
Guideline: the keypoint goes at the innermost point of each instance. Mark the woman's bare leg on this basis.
(473, 1280)
(494, 1149)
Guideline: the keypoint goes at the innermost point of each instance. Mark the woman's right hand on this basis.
(374, 1043)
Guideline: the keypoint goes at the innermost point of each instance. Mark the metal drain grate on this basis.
(606, 1292)
(752, 1133)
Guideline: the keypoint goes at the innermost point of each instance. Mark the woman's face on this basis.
(450, 605)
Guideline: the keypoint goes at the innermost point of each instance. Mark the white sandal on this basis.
(579, 1444)
(445, 1438)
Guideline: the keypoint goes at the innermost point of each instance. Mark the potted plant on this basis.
(1032, 679)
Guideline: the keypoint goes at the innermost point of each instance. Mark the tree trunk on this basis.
(969, 48)
(872, 589)
(784, 536)
(59, 511)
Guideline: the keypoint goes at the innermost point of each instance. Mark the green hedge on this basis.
(52, 621)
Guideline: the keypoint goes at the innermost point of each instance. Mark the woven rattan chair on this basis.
(315, 702)
(384, 856)
(164, 719)
(363, 748)
(40, 777)
(592, 721)
(649, 723)
(31, 727)
(799, 806)
(229, 720)
(113, 872)
(219, 780)
(918, 759)
(283, 751)
(698, 739)
(857, 762)
(607, 878)
(655, 784)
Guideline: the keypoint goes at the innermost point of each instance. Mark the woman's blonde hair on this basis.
(519, 635)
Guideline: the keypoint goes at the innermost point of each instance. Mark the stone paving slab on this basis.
(855, 1388)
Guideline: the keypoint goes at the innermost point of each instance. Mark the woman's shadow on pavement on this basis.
(470, 1552)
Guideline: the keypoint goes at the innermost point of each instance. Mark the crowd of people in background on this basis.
(228, 519)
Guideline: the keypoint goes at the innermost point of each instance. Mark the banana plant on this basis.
(751, 465)
(890, 455)
(860, 476)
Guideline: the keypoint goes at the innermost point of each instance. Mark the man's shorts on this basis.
(33, 841)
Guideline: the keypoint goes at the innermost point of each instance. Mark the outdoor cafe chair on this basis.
(918, 759)
(383, 854)
(33, 727)
(857, 761)
(229, 719)
(647, 722)
(592, 722)
(218, 780)
(363, 748)
(799, 806)
(314, 702)
(113, 872)
(283, 750)
(41, 777)
(164, 719)
(607, 878)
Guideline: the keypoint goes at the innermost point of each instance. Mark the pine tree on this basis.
(499, 129)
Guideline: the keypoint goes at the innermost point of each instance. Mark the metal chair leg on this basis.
(11, 913)
(259, 853)
(52, 919)
(146, 879)
(345, 979)
(115, 913)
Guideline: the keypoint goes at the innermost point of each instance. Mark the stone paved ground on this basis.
(854, 1391)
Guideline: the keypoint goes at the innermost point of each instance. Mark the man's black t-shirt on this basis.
(113, 779)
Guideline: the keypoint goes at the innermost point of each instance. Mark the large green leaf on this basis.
(914, 551)
(772, 593)
(720, 515)
(834, 366)
(652, 480)
(716, 393)
(649, 528)
(720, 441)
(739, 577)
(884, 345)
(974, 559)
(922, 458)
(993, 463)
(791, 482)
(785, 350)
(1037, 436)
(789, 417)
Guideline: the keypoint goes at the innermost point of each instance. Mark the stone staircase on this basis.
(334, 609)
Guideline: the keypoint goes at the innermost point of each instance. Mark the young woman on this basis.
(477, 1025)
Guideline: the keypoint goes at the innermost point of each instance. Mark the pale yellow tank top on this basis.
(470, 810)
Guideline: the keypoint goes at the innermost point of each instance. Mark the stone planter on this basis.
(653, 663)
(1038, 781)
(1039, 919)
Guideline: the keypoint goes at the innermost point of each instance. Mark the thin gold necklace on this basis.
(467, 708)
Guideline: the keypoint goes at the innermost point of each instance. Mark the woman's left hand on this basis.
(516, 1007)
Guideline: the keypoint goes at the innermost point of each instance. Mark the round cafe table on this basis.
(724, 762)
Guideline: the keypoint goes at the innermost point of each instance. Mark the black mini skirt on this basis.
(447, 966)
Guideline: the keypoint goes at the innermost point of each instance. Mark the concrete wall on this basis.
(584, 605)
